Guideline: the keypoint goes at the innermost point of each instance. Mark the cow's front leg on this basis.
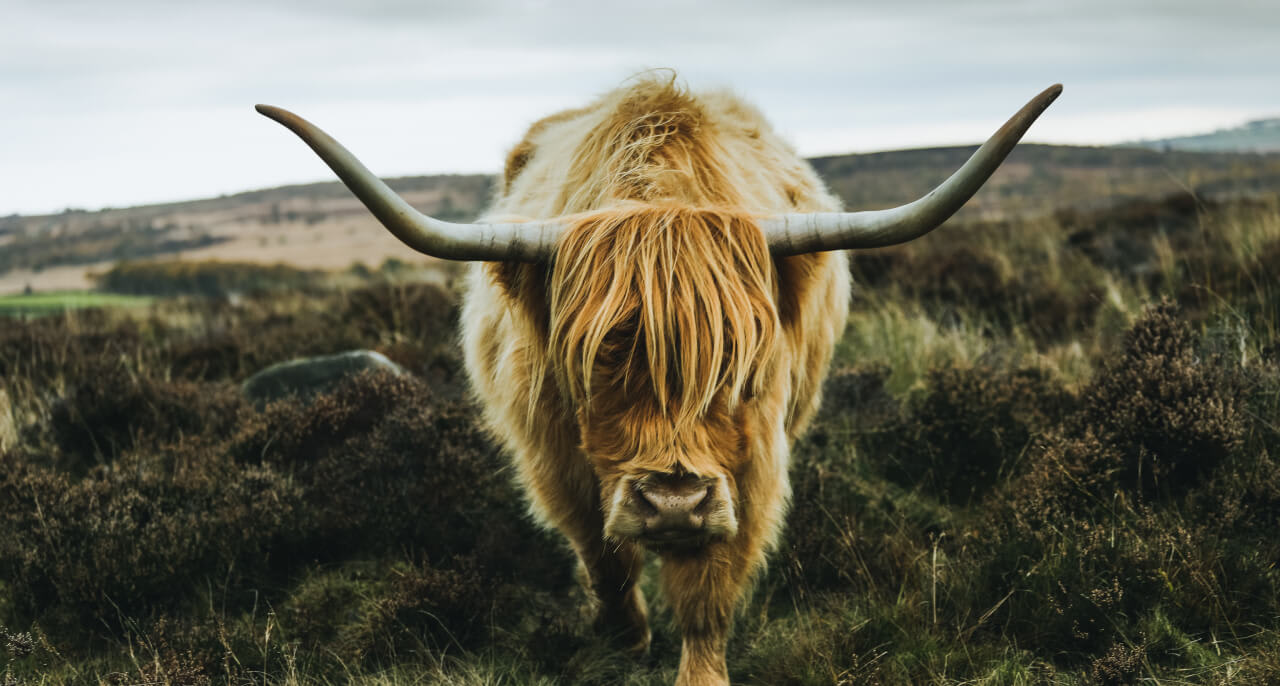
(704, 588)
(565, 495)
(612, 574)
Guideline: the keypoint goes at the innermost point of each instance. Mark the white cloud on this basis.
(141, 100)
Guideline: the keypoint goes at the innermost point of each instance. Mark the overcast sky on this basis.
(124, 102)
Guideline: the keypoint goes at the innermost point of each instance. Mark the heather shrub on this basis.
(1064, 478)
(52, 348)
(383, 466)
(1121, 664)
(983, 285)
(1118, 238)
(121, 542)
(963, 275)
(267, 338)
(1156, 422)
(969, 429)
(847, 528)
(214, 357)
(1081, 584)
(427, 609)
(855, 398)
(112, 407)
(1138, 503)
(197, 485)
(415, 325)
(1244, 492)
(423, 312)
(1173, 416)
(1054, 311)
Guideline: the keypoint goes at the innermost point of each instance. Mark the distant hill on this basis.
(1038, 179)
(322, 226)
(315, 226)
(1262, 135)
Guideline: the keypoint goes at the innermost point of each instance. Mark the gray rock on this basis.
(308, 377)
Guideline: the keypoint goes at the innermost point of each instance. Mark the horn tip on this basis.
(271, 111)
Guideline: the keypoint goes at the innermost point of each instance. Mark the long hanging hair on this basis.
(667, 300)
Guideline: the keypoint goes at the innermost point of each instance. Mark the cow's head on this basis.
(664, 332)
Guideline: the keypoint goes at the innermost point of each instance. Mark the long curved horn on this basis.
(795, 234)
(527, 242)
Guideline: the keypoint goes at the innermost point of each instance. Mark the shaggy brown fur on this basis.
(663, 339)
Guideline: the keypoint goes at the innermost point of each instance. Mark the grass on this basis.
(1048, 454)
(55, 302)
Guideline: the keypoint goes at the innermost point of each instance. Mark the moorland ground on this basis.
(1049, 453)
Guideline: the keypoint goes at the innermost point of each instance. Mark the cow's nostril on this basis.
(642, 502)
(705, 500)
(698, 498)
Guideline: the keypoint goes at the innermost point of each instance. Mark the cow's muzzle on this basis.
(668, 511)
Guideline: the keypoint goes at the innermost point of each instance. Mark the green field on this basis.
(54, 302)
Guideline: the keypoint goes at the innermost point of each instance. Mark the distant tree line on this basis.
(37, 250)
(207, 278)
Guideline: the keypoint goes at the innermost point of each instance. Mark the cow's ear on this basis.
(796, 275)
(525, 284)
(516, 160)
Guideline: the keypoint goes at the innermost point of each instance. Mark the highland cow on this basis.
(658, 288)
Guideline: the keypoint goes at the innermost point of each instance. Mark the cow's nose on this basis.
(673, 506)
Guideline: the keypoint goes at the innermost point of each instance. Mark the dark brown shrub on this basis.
(1122, 664)
(423, 312)
(1244, 494)
(1119, 238)
(51, 348)
(963, 275)
(856, 397)
(875, 268)
(121, 541)
(1155, 421)
(111, 408)
(977, 283)
(1172, 415)
(1145, 500)
(940, 281)
(1050, 313)
(970, 429)
(277, 337)
(210, 358)
(1064, 478)
(427, 609)
(386, 467)
(846, 531)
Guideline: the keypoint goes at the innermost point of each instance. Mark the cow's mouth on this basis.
(669, 540)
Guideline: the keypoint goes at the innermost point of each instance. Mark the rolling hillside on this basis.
(1260, 135)
(322, 226)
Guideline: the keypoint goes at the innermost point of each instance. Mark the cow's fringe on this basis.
(672, 300)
